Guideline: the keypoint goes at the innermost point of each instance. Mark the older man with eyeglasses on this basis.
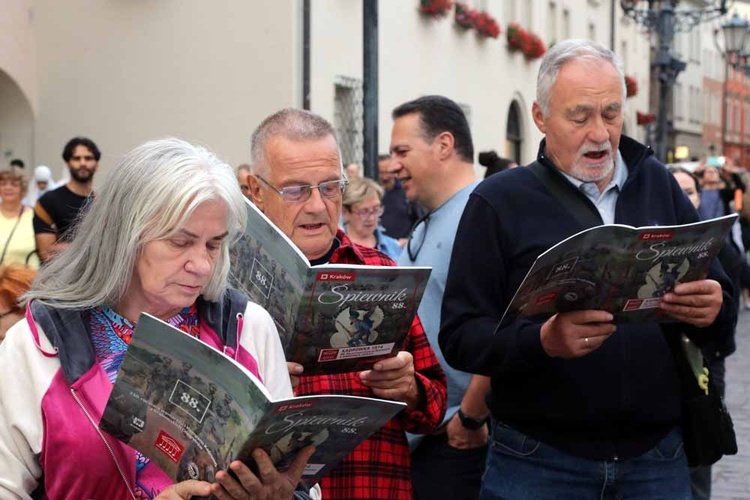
(433, 155)
(297, 180)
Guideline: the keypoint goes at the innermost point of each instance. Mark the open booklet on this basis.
(620, 269)
(193, 410)
(332, 318)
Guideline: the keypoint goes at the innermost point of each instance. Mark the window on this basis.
(526, 14)
(552, 23)
(348, 118)
(695, 46)
(511, 10)
(514, 134)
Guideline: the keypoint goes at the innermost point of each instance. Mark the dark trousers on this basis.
(440, 471)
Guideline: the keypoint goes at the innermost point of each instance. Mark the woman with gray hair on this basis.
(362, 210)
(154, 240)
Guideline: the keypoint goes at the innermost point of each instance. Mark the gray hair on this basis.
(564, 52)
(148, 196)
(290, 123)
(360, 189)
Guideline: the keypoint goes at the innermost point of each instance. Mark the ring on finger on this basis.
(586, 340)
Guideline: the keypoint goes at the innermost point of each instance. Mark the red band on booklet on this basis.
(657, 235)
(335, 276)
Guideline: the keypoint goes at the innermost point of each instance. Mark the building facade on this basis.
(125, 72)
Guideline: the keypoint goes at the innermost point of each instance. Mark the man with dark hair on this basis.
(580, 404)
(399, 214)
(432, 154)
(56, 213)
(17, 162)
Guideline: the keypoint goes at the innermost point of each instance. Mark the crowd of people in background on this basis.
(564, 398)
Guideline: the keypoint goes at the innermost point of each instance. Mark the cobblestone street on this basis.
(731, 476)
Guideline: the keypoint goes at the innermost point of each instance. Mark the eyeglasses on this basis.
(10, 182)
(300, 194)
(368, 212)
(414, 252)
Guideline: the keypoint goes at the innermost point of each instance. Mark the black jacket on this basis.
(621, 399)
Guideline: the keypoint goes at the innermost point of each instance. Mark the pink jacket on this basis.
(53, 393)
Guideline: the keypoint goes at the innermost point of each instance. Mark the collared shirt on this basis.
(606, 199)
(380, 467)
(432, 243)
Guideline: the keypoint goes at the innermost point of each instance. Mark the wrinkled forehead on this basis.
(301, 157)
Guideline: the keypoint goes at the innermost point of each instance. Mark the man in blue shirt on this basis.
(432, 154)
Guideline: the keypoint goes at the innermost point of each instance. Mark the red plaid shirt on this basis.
(380, 468)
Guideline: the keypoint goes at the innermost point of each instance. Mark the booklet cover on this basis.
(620, 269)
(332, 318)
(193, 410)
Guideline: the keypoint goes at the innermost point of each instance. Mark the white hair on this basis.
(149, 195)
(564, 52)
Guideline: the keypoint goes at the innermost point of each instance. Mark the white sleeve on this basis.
(27, 375)
(261, 339)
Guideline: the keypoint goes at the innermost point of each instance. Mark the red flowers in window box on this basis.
(435, 8)
(483, 22)
(644, 118)
(534, 47)
(631, 86)
(486, 25)
(529, 43)
(465, 16)
(516, 36)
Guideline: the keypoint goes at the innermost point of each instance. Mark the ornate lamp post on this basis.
(735, 53)
(664, 19)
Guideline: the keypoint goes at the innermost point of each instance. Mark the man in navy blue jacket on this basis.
(581, 407)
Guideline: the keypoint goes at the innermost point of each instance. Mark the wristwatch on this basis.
(470, 423)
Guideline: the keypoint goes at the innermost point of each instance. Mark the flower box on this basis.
(644, 118)
(464, 15)
(516, 36)
(631, 86)
(534, 47)
(486, 25)
(435, 8)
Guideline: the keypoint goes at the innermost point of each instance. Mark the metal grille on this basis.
(348, 118)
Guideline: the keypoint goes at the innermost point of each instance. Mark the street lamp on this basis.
(735, 54)
(663, 18)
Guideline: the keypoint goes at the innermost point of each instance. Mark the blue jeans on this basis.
(519, 467)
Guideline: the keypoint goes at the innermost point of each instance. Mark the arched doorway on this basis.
(514, 134)
(16, 123)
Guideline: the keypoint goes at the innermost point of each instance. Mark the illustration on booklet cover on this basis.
(192, 410)
(331, 318)
(621, 269)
